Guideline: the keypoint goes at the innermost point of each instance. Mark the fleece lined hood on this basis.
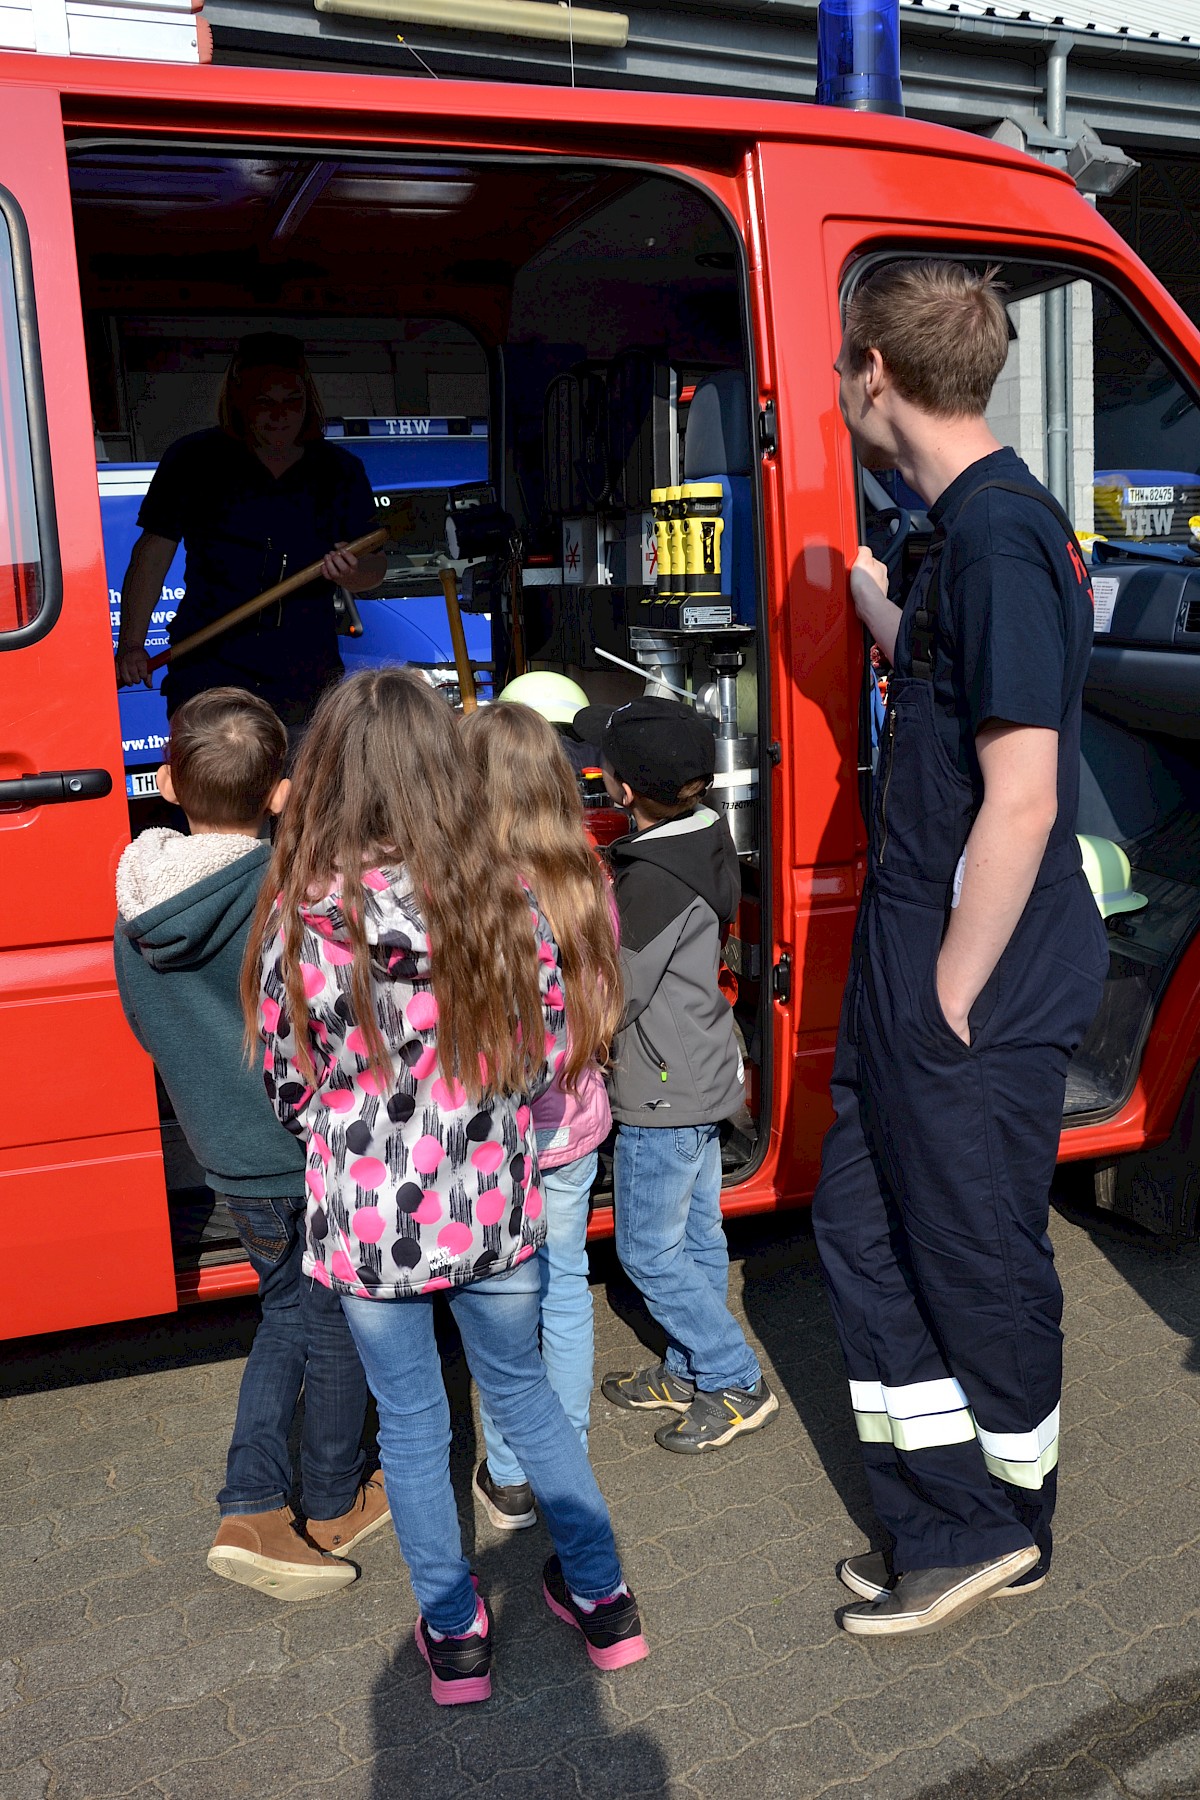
(183, 899)
(695, 855)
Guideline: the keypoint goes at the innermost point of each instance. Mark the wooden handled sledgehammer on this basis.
(458, 640)
(363, 546)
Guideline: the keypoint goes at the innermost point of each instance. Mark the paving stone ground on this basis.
(126, 1669)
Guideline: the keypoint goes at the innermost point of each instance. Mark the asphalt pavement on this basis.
(127, 1670)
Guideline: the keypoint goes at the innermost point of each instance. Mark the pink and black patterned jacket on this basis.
(412, 1187)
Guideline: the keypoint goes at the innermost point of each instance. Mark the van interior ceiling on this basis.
(579, 328)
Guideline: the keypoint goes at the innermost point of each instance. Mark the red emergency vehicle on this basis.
(645, 289)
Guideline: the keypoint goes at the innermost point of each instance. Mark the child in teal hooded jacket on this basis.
(185, 904)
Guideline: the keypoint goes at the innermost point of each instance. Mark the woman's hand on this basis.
(359, 574)
(339, 565)
(133, 665)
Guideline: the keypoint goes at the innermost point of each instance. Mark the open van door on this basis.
(82, 1202)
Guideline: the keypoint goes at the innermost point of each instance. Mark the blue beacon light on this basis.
(858, 55)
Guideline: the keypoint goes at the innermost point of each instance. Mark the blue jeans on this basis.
(667, 1182)
(566, 1311)
(498, 1320)
(302, 1342)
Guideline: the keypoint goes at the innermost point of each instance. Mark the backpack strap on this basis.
(925, 618)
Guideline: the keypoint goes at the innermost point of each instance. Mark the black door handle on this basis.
(54, 788)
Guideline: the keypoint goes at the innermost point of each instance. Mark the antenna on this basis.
(418, 56)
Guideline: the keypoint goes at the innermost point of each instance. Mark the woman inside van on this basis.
(252, 499)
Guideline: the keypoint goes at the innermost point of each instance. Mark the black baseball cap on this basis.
(656, 746)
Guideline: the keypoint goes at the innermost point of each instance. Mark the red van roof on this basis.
(567, 110)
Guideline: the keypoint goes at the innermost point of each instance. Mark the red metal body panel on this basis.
(225, 1281)
(81, 1180)
(809, 190)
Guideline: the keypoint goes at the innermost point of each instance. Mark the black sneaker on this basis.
(612, 1631)
(927, 1599)
(649, 1390)
(509, 1508)
(870, 1576)
(713, 1418)
(460, 1668)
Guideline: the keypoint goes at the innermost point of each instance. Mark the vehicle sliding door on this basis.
(82, 1202)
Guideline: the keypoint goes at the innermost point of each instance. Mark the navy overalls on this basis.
(932, 1209)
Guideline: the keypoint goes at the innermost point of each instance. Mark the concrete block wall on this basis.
(1017, 413)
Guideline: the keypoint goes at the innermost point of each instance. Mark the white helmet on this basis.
(1107, 869)
(556, 697)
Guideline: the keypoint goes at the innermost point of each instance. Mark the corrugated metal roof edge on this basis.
(1028, 31)
(1110, 43)
(1089, 33)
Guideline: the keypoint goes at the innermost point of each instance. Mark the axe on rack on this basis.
(363, 546)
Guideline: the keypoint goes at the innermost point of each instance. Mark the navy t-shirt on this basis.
(1014, 624)
(243, 530)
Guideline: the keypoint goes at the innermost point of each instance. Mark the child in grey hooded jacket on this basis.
(676, 1073)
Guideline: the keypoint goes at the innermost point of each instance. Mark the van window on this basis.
(1088, 400)
(26, 594)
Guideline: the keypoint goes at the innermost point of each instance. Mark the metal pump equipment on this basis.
(667, 658)
(735, 784)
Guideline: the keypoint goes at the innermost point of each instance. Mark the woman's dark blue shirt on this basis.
(244, 529)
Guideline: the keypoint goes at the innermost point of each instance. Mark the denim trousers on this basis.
(498, 1320)
(302, 1342)
(566, 1312)
(671, 1243)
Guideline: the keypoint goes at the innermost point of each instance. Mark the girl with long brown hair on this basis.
(408, 992)
(529, 788)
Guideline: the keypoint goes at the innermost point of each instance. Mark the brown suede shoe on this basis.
(369, 1514)
(266, 1552)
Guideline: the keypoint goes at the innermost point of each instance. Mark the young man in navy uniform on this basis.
(979, 958)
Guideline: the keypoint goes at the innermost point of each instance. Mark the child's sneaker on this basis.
(509, 1508)
(460, 1668)
(649, 1390)
(612, 1629)
(265, 1551)
(714, 1418)
(369, 1514)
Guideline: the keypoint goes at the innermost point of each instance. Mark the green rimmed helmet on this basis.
(1107, 869)
(556, 697)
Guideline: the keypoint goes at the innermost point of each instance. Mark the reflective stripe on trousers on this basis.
(929, 1413)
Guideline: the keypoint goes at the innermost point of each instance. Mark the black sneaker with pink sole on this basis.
(612, 1630)
(460, 1668)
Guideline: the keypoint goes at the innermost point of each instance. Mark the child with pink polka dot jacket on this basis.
(408, 993)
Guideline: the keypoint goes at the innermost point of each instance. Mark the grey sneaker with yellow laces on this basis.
(716, 1417)
(649, 1390)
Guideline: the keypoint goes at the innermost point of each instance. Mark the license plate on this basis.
(1160, 496)
(141, 784)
